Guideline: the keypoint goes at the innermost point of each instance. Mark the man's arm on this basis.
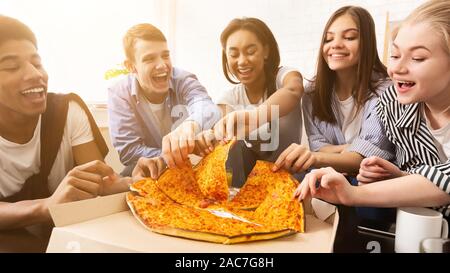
(125, 130)
(89, 152)
(23, 213)
(200, 107)
(29, 212)
(203, 113)
(84, 181)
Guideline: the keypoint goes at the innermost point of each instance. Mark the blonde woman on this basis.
(415, 112)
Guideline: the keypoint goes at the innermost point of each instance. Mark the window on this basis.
(80, 40)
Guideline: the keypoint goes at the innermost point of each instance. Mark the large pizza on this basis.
(192, 203)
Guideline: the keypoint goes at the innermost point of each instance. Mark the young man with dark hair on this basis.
(51, 150)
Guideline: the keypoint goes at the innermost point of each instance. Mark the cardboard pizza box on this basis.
(106, 224)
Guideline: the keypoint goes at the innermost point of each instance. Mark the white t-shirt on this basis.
(20, 161)
(159, 114)
(441, 138)
(351, 125)
(290, 126)
(237, 96)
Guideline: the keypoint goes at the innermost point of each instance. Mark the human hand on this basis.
(326, 184)
(148, 167)
(374, 169)
(204, 143)
(236, 124)
(178, 144)
(82, 182)
(296, 158)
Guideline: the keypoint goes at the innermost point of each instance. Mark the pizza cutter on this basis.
(240, 162)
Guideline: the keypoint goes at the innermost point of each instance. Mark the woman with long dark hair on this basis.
(339, 104)
(251, 61)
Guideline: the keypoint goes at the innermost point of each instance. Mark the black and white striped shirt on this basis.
(415, 148)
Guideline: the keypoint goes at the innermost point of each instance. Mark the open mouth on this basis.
(161, 78)
(245, 72)
(405, 84)
(35, 93)
(338, 55)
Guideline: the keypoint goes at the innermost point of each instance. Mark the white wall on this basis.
(296, 24)
(80, 40)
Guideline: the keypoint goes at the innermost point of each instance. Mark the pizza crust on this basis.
(204, 236)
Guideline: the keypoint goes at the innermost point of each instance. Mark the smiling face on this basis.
(341, 46)
(419, 65)
(23, 80)
(245, 56)
(153, 68)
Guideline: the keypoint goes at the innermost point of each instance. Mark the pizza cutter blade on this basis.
(240, 162)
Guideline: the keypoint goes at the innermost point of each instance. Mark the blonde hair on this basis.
(437, 14)
(145, 32)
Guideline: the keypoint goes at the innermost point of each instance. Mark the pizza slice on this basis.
(260, 182)
(211, 173)
(179, 184)
(142, 186)
(280, 210)
(182, 187)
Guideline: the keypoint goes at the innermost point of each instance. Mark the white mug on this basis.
(415, 224)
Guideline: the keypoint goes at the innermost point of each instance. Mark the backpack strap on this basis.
(53, 121)
(98, 138)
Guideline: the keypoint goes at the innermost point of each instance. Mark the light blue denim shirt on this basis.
(371, 141)
(136, 134)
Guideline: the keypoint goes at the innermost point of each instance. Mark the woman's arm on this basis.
(333, 148)
(345, 162)
(287, 97)
(410, 190)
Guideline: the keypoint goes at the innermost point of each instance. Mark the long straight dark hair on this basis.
(368, 63)
(266, 37)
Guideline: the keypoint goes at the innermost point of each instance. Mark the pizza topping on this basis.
(212, 175)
